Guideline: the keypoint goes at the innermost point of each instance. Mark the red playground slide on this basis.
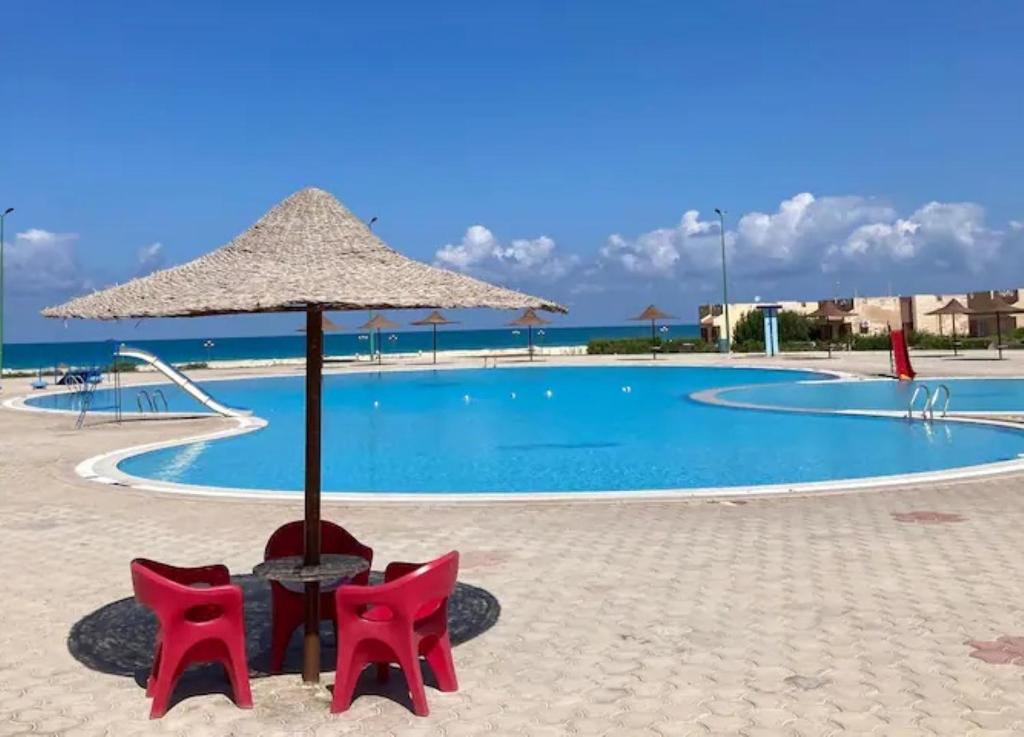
(904, 371)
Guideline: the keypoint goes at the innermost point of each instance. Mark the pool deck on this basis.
(870, 612)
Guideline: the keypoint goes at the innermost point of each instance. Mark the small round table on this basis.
(332, 567)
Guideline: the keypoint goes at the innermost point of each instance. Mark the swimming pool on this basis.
(556, 429)
(966, 395)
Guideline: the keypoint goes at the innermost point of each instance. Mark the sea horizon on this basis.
(45, 355)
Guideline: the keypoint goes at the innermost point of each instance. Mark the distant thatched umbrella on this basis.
(308, 254)
(952, 308)
(329, 326)
(998, 307)
(652, 313)
(434, 319)
(530, 320)
(832, 315)
(378, 323)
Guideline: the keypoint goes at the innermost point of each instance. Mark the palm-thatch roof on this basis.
(435, 318)
(308, 251)
(328, 324)
(831, 311)
(994, 305)
(378, 322)
(530, 319)
(953, 307)
(653, 313)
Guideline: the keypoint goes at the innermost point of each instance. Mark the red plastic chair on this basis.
(197, 625)
(286, 605)
(397, 622)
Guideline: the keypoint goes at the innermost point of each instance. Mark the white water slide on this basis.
(181, 380)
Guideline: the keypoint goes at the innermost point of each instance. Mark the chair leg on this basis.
(172, 665)
(349, 666)
(238, 673)
(383, 672)
(151, 681)
(410, 663)
(281, 634)
(439, 655)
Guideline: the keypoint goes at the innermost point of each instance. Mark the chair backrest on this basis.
(289, 539)
(153, 589)
(425, 588)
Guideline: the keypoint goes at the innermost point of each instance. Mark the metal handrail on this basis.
(149, 401)
(913, 398)
(935, 398)
(156, 405)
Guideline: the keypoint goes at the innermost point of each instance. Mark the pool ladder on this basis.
(930, 400)
(151, 402)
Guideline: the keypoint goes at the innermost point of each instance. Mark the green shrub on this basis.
(628, 346)
(793, 327)
(192, 365)
(877, 342)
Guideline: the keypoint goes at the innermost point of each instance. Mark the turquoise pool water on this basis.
(555, 430)
(967, 395)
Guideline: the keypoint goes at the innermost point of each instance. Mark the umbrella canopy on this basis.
(309, 250)
(831, 311)
(379, 322)
(996, 306)
(530, 318)
(329, 326)
(953, 307)
(434, 319)
(653, 313)
(308, 254)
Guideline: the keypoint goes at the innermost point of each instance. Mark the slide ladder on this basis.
(186, 384)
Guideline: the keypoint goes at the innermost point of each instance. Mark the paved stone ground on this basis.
(859, 613)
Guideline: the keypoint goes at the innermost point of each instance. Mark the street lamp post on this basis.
(725, 344)
(370, 226)
(3, 216)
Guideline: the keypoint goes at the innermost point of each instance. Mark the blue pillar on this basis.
(771, 328)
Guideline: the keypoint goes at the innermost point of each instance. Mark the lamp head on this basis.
(8, 211)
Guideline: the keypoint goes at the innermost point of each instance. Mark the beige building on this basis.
(874, 315)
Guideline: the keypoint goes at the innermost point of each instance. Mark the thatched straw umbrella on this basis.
(434, 319)
(530, 320)
(832, 315)
(378, 323)
(308, 254)
(329, 326)
(652, 313)
(997, 307)
(952, 308)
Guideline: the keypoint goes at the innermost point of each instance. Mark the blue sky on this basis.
(574, 149)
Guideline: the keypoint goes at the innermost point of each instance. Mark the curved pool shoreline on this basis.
(104, 467)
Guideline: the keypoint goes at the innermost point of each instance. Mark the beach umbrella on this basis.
(530, 319)
(652, 313)
(329, 326)
(952, 308)
(997, 307)
(832, 315)
(308, 254)
(378, 323)
(434, 319)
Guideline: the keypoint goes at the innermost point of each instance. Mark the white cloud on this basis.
(149, 258)
(39, 260)
(480, 252)
(657, 252)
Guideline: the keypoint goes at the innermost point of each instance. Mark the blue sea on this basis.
(31, 356)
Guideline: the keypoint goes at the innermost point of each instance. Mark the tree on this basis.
(793, 327)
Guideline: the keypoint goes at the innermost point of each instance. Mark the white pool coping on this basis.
(103, 468)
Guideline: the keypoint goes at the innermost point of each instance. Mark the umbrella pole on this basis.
(311, 528)
(654, 353)
(999, 336)
(954, 334)
(529, 332)
(380, 349)
(435, 342)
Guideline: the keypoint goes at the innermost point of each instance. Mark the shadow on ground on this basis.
(117, 639)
